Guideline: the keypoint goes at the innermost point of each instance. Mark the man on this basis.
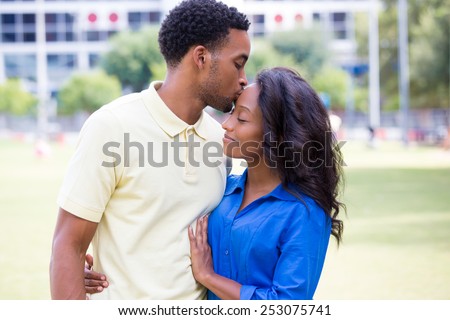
(139, 176)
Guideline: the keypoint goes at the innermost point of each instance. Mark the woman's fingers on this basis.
(205, 229)
(198, 231)
(200, 237)
(191, 236)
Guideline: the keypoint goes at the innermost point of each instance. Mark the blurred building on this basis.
(44, 41)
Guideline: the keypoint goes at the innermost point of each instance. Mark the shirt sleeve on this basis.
(303, 247)
(92, 172)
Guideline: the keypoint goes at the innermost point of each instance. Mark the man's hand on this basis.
(94, 282)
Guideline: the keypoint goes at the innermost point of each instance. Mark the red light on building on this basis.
(92, 17)
(278, 18)
(113, 17)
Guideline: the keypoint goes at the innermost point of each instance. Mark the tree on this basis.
(334, 83)
(264, 55)
(14, 99)
(307, 46)
(328, 79)
(87, 92)
(429, 44)
(430, 56)
(133, 58)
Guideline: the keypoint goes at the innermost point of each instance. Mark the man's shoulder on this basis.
(126, 109)
(210, 120)
(212, 127)
(118, 104)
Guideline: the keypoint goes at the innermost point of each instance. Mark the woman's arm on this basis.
(202, 265)
(303, 245)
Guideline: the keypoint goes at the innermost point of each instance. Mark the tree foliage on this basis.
(14, 99)
(264, 55)
(429, 56)
(307, 47)
(133, 58)
(87, 92)
(333, 82)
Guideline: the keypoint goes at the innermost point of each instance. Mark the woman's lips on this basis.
(228, 138)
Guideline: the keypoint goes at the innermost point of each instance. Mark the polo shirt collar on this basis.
(165, 118)
(238, 185)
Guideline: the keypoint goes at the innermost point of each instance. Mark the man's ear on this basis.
(200, 56)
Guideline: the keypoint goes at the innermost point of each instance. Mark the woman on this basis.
(269, 235)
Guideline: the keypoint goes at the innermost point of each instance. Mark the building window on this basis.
(21, 66)
(60, 27)
(94, 60)
(317, 17)
(29, 27)
(257, 25)
(339, 20)
(8, 37)
(60, 66)
(29, 19)
(94, 35)
(29, 37)
(138, 19)
(17, 27)
(8, 19)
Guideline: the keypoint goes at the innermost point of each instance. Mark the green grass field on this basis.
(396, 239)
(397, 230)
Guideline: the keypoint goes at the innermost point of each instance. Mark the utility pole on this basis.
(42, 76)
(403, 66)
(374, 67)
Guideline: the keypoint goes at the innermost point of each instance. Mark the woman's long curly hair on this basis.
(298, 140)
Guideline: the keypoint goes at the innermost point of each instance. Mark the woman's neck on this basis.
(261, 178)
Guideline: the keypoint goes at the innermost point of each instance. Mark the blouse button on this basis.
(226, 252)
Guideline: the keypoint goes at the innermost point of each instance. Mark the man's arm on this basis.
(70, 242)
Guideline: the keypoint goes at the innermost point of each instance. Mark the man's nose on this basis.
(243, 80)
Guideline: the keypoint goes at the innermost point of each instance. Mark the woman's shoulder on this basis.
(305, 207)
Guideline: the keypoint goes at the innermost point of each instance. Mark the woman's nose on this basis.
(226, 124)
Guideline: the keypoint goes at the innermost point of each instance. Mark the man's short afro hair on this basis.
(197, 22)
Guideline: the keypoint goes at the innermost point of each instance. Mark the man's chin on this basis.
(228, 108)
(223, 108)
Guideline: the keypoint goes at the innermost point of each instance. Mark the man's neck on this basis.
(179, 96)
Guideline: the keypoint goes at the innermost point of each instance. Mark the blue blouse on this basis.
(275, 247)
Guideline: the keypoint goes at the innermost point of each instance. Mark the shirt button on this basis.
(226, 252)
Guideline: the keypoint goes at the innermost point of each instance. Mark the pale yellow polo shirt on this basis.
(144, 191)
